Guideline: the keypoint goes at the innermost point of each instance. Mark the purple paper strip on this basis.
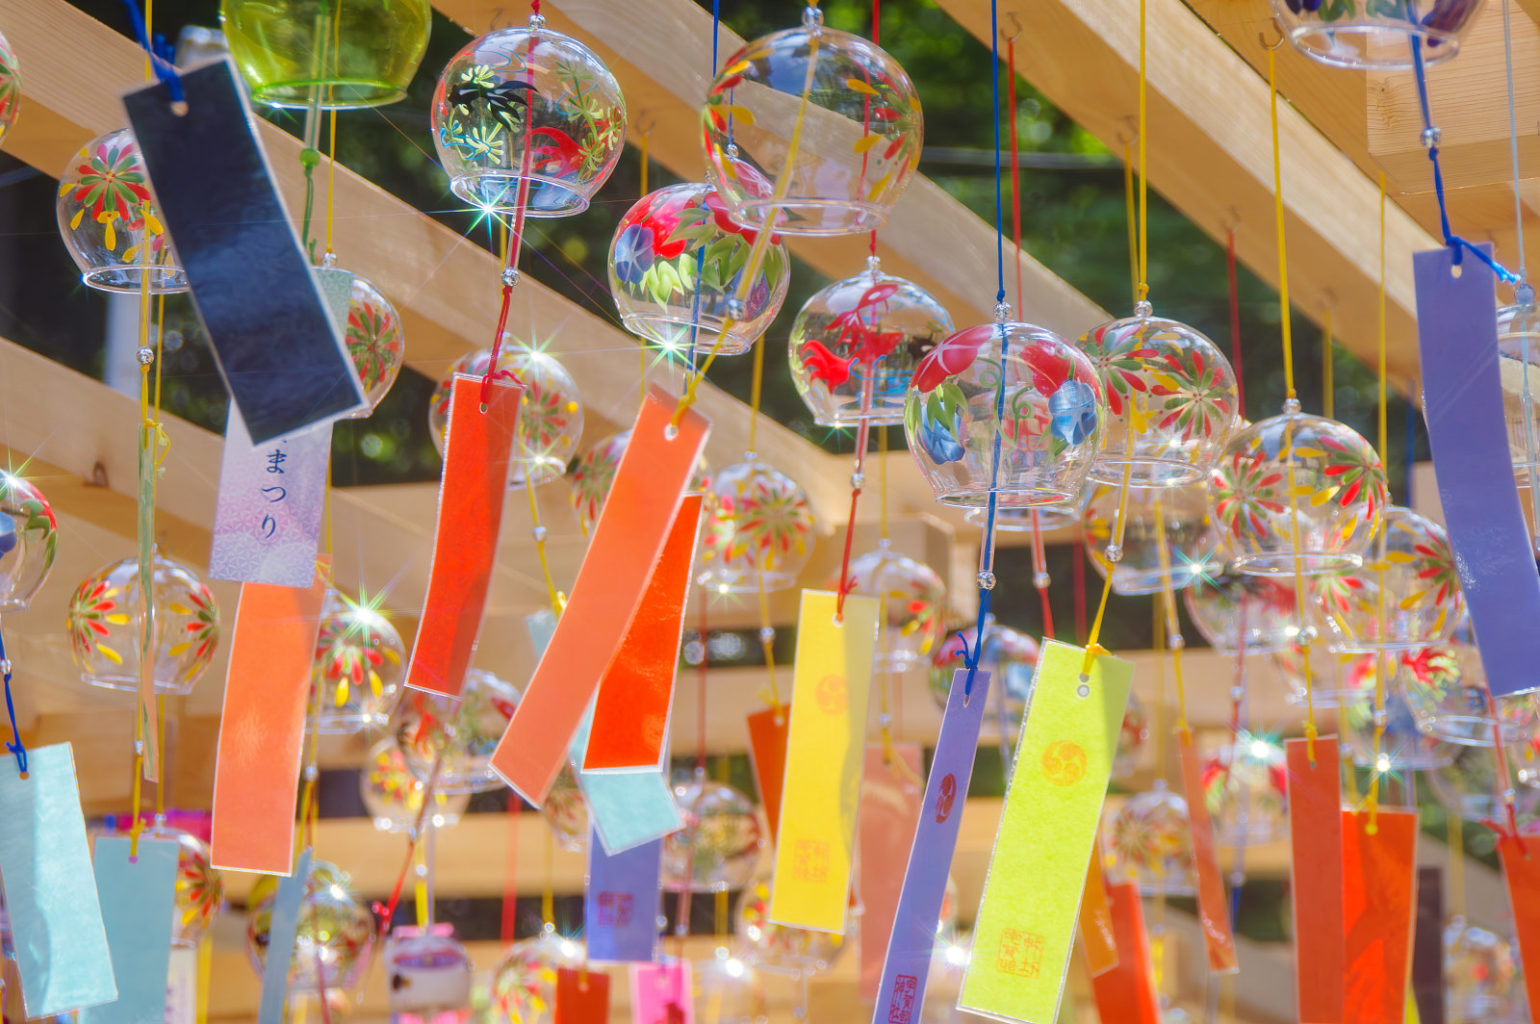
(267, 519)
(1463, 406)
(901, 994)
(620, 904)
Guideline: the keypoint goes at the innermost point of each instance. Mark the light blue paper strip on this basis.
(138, 903)
(627, 808)
(280, 942)
(50, 892)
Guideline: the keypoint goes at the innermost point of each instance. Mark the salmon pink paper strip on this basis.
(262, 728)
(1097, 933)
(885, 822)
(1315, 869)
(1521, 867)
(644, 500)
(631, 713)
(1127, 994)
(471, 495)
(1379, 891)
(1213, 908)
(767, 754)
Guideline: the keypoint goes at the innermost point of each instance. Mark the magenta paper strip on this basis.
(267, 519)
(662, 993)
(901, 990)
(886, 820)
(1463, 406)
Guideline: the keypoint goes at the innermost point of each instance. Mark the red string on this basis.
(510, 876)
(534, 5)
(701, 671)
(1502, 765)
(862, 434)
(1235, 323)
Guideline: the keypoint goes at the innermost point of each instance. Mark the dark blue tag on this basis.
(1463, 406)
(274, 339)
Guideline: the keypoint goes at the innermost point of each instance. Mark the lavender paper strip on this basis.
(1463, 406)
(620, 904)
(281, 934)
(138, 901)
(901, 993)
(267, 520)
(50, 890)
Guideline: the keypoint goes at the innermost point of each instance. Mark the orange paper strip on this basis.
(644, 499)
(1126, 994)
(1315, 870)
(471, 495)
(886, 819)
(1379, 893)
(768, 730)
(1213, 908)
(1521, 866)
(1096, 930)
(582, 996)
(630, 728)
(262, 727)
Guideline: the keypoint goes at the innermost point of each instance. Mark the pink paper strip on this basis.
(886, 820)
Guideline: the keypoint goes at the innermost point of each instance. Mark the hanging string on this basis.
(1291, 403)
(1523, 294)
(1328, 387)
(1431, 136)
(510, 908)
(17, 747)
(1133, 222)
(1235, 322)
(156, 63)
(331, 184)
(1383, 662)
(1173, 628)
(1142, 288)
(641, 346)
(557, 598)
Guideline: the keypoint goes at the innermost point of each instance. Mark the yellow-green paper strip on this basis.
(825, 747)
(1026, 921)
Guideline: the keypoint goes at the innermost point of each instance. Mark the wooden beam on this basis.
(660, 52)
(1210, 155)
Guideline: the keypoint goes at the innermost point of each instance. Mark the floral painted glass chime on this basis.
(107, 215)
(758, 530)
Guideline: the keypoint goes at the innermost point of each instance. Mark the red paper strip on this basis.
(262, 727)
(886, 819)
(582, 996)
(1126, 994)
(644, 500)
(1213, 908)
(768, 730)
(1097, 933)
(471, 495)
(630, 727)
(1521, 866)
(1379, 892)
(1315, 868)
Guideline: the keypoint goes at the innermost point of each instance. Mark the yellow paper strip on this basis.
(1026, 921)
(831, 687)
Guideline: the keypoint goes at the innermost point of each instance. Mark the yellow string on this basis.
(1132, 219)
(757, 251)
(1383, 661)
(547, 889)
(331, 180)
(557, 598)
(1119, 522)
(766, 639)
(882, 481)
(420, 870)
(1173, 624)
(1328, 385)
(1283, 263)
(1142, 289)
(149, 33)
(641, 345)
(160, 755)
(1349, 775)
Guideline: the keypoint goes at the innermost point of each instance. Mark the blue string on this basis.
(700, 254)
(1454, 241)
(1411, 452)
(972, 657)
(164, 69)
(16, 746)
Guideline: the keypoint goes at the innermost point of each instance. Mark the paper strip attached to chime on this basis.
(1463, 401)
(1428, 946)
(887, 819)
(582, 996)
(831, 687)
(1097, 932)
(282, 931)
(767, 757)
(1379, 885)
(275, 343)
(1521, 867)
(262, 726)
(644, 501)
(472, 492)
(662, 993)
(620, 902)
(1127, 993)
(636, 696)
(1213, 907)
(50, 889)
(905, 968)
(1026, 922)
(138, 900)
(1315, 874)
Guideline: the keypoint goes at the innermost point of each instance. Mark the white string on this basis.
(1513, 144)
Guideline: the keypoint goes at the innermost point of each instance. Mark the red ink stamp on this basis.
(615, 909)
(946, 798)
(1021, 953)
(901, 1006)
(810, 860)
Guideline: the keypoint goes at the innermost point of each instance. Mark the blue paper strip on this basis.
(50, 891)
(280, 941)
(620, 904)
(138, 902)
(1463, 406)
(274, 340)
(901, 993)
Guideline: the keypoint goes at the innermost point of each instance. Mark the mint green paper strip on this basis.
(50, 891)
(138, 903)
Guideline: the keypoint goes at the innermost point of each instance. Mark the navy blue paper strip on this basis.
(1463, 406)
(277, 347)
